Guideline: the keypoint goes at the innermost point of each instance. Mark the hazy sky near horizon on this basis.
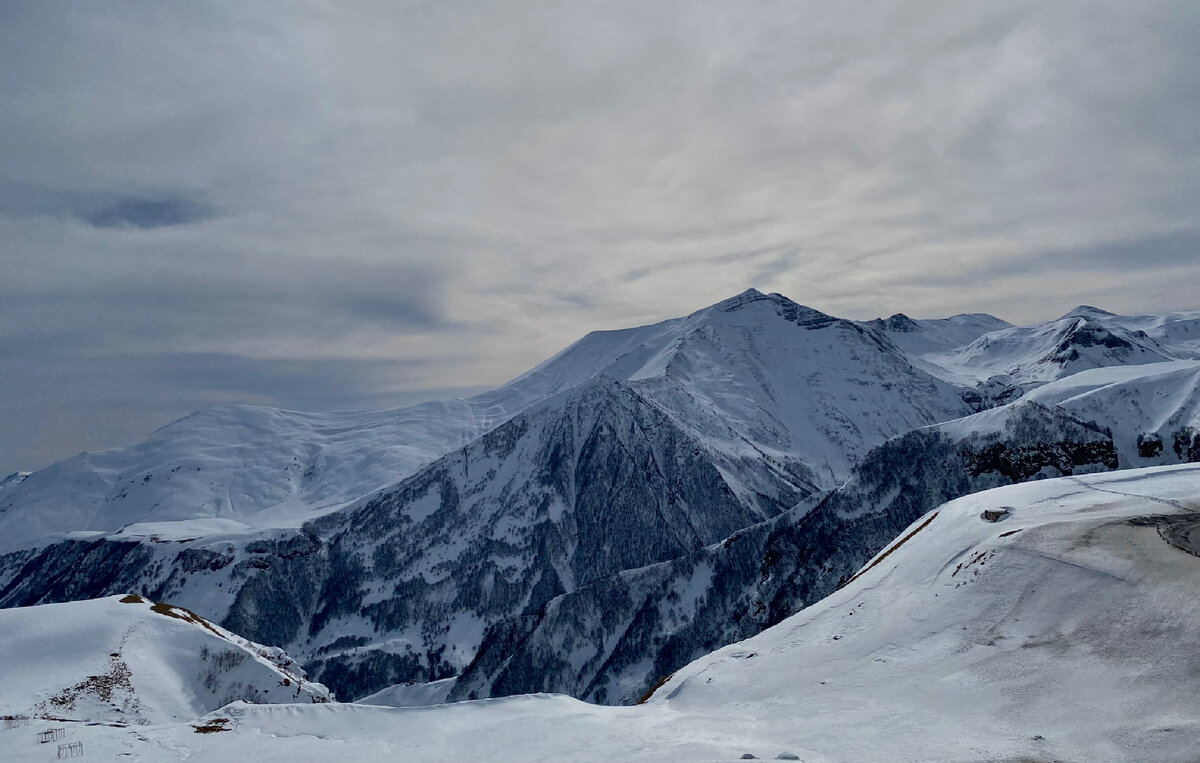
(340, 204)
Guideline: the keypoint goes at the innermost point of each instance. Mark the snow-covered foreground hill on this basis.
(124, 659)
(1066, 629)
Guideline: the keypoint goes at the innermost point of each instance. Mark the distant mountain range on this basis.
(640, 499)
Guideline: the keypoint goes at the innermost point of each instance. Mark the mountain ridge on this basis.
(696, 459)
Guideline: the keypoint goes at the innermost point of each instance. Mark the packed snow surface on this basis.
(411, 695)
(1053, 620)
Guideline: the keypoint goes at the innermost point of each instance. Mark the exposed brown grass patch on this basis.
(212, 726)
(888, 553)
(185, 614)
(133, 598)
(657, 685)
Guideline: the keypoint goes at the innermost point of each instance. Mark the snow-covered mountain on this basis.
(1053, 620)
(128, 660)
(717, 422)
(1180, 331)
(924, 336)
(643, 624)
(641, 498)
(235, 469)
(1029, 355)
(758, 377)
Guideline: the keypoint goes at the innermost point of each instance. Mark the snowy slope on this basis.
(1152, 410)
(1064, 631)
(763, 379)
(1179, 331)
(924, 336)
(129, 660)
(1047, 351)
(410, 695)
(233, 468)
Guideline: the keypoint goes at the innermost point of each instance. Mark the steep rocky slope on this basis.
(611, 640)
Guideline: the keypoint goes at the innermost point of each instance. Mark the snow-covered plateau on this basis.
(1053, 620)
(621, 523)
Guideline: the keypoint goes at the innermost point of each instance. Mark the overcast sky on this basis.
(335, 205)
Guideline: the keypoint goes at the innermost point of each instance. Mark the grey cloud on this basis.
(148, 213)
(465, 187)
(1180, 248)
(100, 208)
(1144, 254)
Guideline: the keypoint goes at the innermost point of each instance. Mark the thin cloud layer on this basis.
(438, 195)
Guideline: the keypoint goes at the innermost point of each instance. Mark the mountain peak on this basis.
(1087, 311)
(801, 315)
(739, 300)
(899, 323)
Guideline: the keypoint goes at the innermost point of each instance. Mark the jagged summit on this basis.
(898, 323)
(785, 308)
(1052, 350)
(731, 303)
(932, 335)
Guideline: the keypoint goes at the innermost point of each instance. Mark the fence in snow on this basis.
(51, 735)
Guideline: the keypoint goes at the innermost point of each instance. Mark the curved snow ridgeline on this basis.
(129, 660)
(1067, 629)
